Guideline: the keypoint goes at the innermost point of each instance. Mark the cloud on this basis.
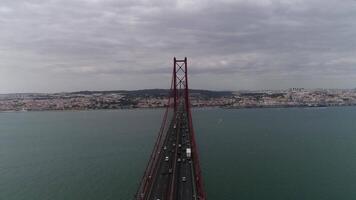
(252, 43)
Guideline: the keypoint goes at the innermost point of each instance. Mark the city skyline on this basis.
(193, 89)
(158, 98)
(66, 45)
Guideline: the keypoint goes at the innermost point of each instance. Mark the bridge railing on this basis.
(147, 179)
(197, 169)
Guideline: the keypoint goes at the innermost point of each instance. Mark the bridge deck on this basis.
(174, 177)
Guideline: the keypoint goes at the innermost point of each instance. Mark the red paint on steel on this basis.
(198, 175)
(197, 169)
(175, 84)
(176, 94)
(147, 178)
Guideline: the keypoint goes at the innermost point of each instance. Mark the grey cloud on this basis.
(254, 44)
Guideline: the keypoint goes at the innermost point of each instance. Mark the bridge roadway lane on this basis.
(185, 189)
(169, 174)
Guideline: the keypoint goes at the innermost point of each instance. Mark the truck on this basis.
(189, 152)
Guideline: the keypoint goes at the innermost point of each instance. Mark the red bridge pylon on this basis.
(178, 103)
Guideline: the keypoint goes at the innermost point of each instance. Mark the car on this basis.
(170, 171)
(184, 179)
(179, 160)
(166, 158)
(165, 148)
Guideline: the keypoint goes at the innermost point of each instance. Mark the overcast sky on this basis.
(70, 45)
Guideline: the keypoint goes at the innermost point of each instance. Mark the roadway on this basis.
(174, 175)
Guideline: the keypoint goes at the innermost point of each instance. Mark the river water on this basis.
(245, 154)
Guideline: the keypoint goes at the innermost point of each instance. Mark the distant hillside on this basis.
(159, 93)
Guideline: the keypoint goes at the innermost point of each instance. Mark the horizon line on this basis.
(212, 90)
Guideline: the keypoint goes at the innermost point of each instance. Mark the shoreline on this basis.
(196, 107)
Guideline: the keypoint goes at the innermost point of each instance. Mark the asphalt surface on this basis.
(174, 175)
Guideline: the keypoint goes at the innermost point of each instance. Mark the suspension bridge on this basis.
(173, 170)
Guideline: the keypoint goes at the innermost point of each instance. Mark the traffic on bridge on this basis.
(173, 170)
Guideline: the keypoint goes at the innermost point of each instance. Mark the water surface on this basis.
(245, 154)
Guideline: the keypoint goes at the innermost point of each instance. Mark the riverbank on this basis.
(194, 107)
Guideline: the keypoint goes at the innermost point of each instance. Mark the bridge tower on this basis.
(180, 77)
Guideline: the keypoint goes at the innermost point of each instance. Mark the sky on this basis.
(72, 45)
